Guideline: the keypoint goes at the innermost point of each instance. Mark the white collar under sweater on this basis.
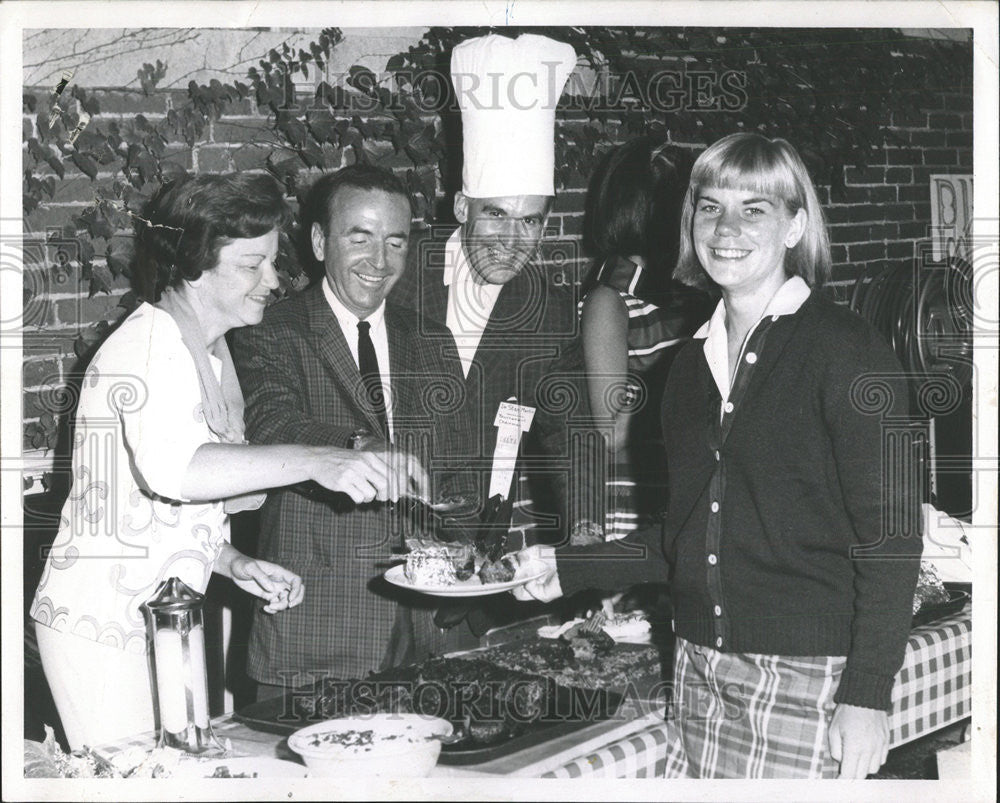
(790, 296)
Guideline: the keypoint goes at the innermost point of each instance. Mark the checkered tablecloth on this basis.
(933, 689)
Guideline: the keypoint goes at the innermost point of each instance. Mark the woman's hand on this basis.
(381, 473)
(533, 560)
(859, 740)
(223, 470)
(280, 587)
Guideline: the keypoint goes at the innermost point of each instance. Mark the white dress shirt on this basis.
(469, 303)
(349, 325)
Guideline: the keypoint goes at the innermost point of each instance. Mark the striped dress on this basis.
(636, 484)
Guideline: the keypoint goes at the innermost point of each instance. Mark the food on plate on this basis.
(463, 558)
(433, 563)
(499, 571)
(930, 590)
(430, 566)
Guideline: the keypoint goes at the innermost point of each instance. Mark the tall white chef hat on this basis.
(507, 90)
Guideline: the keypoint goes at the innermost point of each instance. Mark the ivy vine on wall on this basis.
(836, 93)
(832, 91)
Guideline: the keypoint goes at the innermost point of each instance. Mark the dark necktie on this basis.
(371, 377)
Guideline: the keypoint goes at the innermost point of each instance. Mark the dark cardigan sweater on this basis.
(797, 473)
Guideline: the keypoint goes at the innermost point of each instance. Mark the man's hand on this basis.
(859, 740)
(280, 587)
(533, 560)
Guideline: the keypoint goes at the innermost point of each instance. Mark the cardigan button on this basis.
(718, 457)
(718, 641)
(712, 559)
(751, 357)
(718, 610)
(715, 507)
(729, 407)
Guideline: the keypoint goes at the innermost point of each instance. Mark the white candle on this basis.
(170, 680)
(199, 676)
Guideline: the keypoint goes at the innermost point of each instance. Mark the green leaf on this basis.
(361, 79)
(363, 128)
(171, 171)
(36, 437)
(312, 155)
(99, 281)
(36, 151)
(293, 130)
(322, 126)
(86, 164)
(118, 267)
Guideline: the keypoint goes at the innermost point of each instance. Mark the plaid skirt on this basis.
(738, 715)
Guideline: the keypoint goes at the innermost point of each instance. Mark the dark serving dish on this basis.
(957, 599)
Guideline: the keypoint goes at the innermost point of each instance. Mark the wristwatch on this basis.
(357, 439)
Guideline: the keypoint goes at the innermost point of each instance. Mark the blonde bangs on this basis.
(756, 166)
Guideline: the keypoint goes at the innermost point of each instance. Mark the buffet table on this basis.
(933, 690)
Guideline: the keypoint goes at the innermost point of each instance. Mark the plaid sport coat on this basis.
(302, 386)
(526, 352)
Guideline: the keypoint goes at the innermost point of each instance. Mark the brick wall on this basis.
(879, 218)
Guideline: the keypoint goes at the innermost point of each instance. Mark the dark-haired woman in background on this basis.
(159, 459)
(632, 313)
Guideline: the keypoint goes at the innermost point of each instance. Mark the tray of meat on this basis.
(495, 710)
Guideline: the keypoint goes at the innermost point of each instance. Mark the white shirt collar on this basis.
(787, 301)
(790, 296)
(380, 340)
(469, 304)
(454, 257)
(347, 319)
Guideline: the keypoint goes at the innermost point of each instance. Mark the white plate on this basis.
(264, 767)
(463, 588)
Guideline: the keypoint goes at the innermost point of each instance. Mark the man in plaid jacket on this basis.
(300, 373)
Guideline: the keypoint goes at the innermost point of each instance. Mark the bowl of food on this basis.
(386, 745)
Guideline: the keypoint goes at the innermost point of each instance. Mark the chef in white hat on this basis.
(507, 90)
(511, 317)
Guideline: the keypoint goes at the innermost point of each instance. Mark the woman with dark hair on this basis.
(786, 540)
(632, 313)
(159, 458)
